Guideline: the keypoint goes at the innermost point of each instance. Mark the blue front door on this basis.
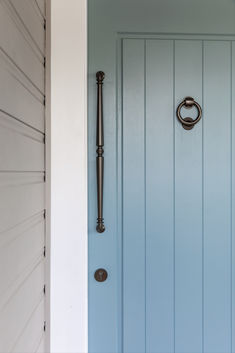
(169, 243)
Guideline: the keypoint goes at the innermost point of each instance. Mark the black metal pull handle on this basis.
(188, 103)
(100, 159)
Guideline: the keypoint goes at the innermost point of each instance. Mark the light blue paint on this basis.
(169, 244)
(188, 204)
(159, 196)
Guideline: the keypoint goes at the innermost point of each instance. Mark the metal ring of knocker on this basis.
(188, 103)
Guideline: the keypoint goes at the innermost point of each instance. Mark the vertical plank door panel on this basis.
(188, 203)
(159, 197)
(134, 196)
(217, 197)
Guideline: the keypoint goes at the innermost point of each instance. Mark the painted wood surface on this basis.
(134, 217)
(168, 193)
(22, 177)
(199, 262)
(159, 196)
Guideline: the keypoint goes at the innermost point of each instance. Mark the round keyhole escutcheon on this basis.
(101, 275)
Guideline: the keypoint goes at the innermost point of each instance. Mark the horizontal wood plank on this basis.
(20, 202)
(22, 148)
(18, 311)
(22, 176)
(16, 100)
(19, 255)
(31, 21)
(42, 6)
(18, 47)
(34, 330)
(41, 347)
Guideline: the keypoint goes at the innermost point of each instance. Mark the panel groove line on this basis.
(176, 37)
(231, 191)
(121, 162)
(203, 195)
(233, 199)
(173, 151)
(145, 198)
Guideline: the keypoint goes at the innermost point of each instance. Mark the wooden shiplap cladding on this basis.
(22, 176)
(178, 197)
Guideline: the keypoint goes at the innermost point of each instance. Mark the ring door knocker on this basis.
(188, 103)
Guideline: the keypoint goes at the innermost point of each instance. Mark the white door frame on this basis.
(66, 151)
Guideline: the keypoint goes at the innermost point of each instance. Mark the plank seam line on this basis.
(22, 172)
(40, 342)
(231, 193)
(22, 31)
(15, 69)
(145, 197)
(37, 346)
(25, 221)
(174, 202)
(26, 28)
(203, 201)
(21, 127)
(41, 100)
(32, 267)
(176, 36)
(39, 9)
(21, 232)
(27, 324)
(5, 124)
(20, 183)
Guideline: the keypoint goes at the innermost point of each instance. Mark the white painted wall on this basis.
(68, 146)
